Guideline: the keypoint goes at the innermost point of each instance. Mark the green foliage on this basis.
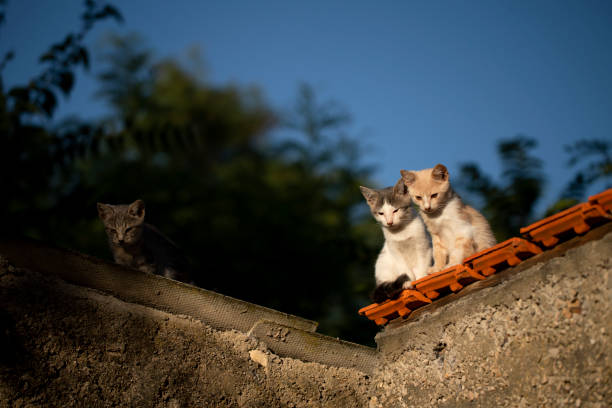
(164, 107)
(508, 205)
(31, 156)
(40, 95)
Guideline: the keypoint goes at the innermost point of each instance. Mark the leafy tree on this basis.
(509, 204)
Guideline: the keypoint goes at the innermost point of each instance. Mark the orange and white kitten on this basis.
(457, 230)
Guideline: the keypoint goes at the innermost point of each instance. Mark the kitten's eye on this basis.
(434, 195)
(129, 229)
(380, 213)
(418, 197)
(396, 210)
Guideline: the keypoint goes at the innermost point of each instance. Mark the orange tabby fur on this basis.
(457, 230)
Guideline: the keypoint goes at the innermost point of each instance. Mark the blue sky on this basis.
(426, 81)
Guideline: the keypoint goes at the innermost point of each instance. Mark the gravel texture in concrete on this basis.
(68, 346)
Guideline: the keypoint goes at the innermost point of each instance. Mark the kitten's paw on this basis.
(407, 285)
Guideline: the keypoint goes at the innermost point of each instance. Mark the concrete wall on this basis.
(64, 346)
(535, 335)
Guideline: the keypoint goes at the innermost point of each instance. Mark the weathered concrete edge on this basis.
(393, 339)
(314, 347)
(218, 311)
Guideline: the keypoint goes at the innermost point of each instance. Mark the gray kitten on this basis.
(139, 245)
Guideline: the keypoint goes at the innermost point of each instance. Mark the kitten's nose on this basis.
(389, 223)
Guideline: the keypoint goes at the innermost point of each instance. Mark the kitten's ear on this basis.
(104, 211)
(369, 194)
(409, 177)
(137, 209)
(439, 173)
(400, 188)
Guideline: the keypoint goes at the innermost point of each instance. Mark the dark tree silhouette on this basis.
(30, 155)
(596, 160)
(509, 204)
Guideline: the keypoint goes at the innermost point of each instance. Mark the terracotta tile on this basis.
(511, 252)
(575, 220)
(408, 301)
(380, 310)
(603, 199)
(431, 285)
(464, 276)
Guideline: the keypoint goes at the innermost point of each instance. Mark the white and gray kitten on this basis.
(139, 245)
(406, 254)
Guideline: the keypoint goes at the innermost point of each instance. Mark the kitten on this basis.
(457, 230)
(139, 245)
(406, 254)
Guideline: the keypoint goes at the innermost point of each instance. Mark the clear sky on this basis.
(426, 81)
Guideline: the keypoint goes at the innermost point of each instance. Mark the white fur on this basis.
(390, 216)
(406, 250)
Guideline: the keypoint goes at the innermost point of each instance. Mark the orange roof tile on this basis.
(402, 307)
(603, 199)
(431, 285)
(573, 220)
(491, 260)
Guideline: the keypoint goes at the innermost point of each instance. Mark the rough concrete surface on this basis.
(68, 346)
(541, 338)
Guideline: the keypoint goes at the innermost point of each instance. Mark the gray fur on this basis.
(139, 245)
(397, 196)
